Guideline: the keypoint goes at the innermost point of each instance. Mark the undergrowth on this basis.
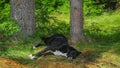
(103, 32)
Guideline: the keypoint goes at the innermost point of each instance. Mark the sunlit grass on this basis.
(106, 21)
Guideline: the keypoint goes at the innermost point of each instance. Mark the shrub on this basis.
(91, 8)
(8, 28)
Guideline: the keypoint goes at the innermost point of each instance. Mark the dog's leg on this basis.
(69, 58)
(41, 52)
(33, 56)
(48, 53)
(37, 45)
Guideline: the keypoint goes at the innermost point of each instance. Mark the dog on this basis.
(58, 45)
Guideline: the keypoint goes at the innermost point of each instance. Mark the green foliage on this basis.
(4, 12)
(8, 28)
(46, 29)
(45, 7)
(91, 8)
(52, 16)
(45, 17)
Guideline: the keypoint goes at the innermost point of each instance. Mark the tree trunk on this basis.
(76, 20)
(23, 12)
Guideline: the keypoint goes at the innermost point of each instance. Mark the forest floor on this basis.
(88, 59)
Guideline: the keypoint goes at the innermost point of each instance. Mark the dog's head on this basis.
(46, 40)
(73, 54)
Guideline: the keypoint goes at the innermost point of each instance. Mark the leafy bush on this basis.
(45, 7)
(46, 29)
(91, 8)
(47, 23)
(5, 12)
(8, 28)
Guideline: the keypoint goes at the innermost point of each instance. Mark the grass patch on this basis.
(104, 27)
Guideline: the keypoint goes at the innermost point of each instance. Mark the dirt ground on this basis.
(8, 63)
(87, 60)
(43, 63)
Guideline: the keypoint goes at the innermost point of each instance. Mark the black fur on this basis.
(58, 42)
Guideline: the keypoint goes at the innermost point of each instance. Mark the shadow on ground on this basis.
(82, 61)
(88, 59)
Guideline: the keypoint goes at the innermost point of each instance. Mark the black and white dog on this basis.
(58, 44)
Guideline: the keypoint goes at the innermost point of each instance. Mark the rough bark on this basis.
(23, 12)
(76, 20)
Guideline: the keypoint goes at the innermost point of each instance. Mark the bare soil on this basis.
(8, 63)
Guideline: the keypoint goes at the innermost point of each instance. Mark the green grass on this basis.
(104, 27)
(16, 51)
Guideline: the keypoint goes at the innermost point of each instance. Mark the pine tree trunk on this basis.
(23, 12)
(76, 20)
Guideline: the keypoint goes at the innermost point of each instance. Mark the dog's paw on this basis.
(34, 47)
(31, 56)
(69, 58)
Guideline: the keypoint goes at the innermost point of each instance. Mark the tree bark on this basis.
(76, 20)
(23, 12)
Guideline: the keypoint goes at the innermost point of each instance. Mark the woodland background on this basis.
(101, 28)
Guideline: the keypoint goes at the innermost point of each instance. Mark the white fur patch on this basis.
(59, 53)
(34, 47)
(31, 56)
(70, 58)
